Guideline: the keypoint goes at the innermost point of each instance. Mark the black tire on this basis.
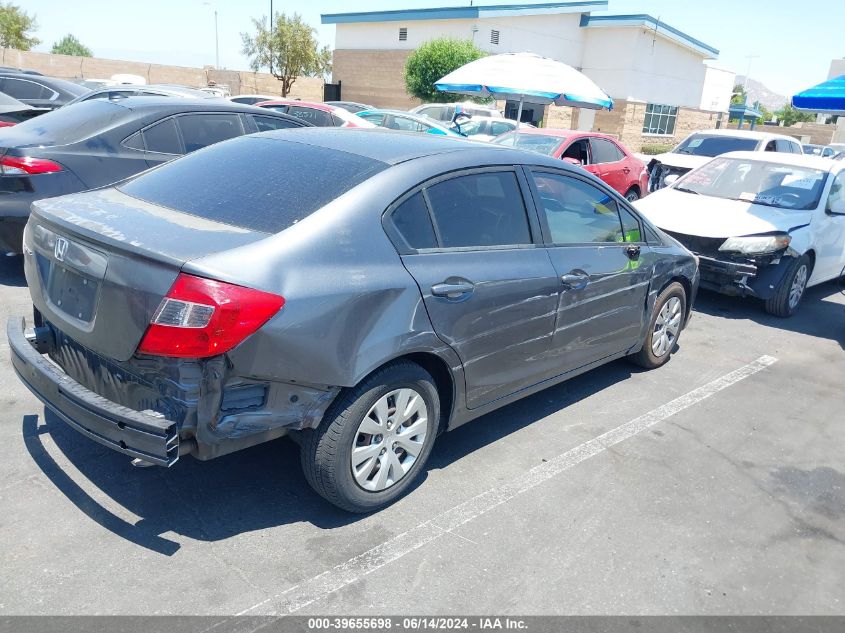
(647, 357)
(326, 451)
(780, 304)
(632, 195)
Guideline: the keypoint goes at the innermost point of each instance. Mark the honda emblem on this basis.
(60, 249)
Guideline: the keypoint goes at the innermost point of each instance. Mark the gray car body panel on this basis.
(352, 302)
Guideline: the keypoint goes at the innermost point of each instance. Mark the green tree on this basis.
(16, 27)
(791, 116)
(290, 50)
(432, 61)
(69, 45)
(739, 95)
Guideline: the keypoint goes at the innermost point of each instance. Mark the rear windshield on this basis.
(69, 124)
(539, 143)
(257, 183)
(703, 145)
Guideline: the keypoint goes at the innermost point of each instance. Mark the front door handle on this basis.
(452, 288)
(575, 281)
(633, 252)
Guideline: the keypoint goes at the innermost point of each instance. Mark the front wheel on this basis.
(375, 439)
(787, 297)
(667, 321)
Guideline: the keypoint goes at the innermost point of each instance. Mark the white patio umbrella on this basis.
(519, 76)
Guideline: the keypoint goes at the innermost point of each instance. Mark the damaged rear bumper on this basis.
(145, 435)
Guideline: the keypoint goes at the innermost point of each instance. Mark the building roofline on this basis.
(450, 13)
(645, 20)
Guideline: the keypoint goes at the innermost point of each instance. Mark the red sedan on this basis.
(599, 154)
(319, 114)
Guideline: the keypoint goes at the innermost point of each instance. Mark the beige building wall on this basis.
(239, 81)
(374, 77)
(625, 122)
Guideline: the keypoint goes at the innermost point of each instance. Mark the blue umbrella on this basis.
(826, 98)
(517, 76)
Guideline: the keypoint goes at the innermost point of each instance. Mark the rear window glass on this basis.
(70, 124)
(262, 184)
(703, 145)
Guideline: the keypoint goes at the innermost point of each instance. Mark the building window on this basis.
(494, 37)
(403, 34)
(660, 119)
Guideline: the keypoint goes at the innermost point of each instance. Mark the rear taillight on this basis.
(7, 123)
(26, 165)
(202, 317)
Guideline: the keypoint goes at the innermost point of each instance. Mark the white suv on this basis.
(446, 111)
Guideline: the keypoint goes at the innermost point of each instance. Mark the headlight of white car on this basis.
(756, 244)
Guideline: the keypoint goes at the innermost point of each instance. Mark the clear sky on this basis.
(795, 41)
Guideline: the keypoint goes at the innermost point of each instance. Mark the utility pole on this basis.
(271, 37)
(750, 58)
(216, 43)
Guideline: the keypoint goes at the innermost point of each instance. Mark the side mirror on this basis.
(671, 178)
(837, 206)
(573, 161)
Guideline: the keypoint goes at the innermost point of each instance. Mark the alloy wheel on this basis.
(667, 326)
(389, 440)
(799, 284)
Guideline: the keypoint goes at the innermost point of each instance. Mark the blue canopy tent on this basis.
(826, 98)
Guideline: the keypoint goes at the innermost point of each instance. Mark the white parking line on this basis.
(344, 574)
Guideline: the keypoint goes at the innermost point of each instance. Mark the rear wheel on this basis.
(632, 195)
(667, 322)
(375, 439)
(787, 297)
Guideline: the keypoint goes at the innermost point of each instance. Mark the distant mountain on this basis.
(758, 92)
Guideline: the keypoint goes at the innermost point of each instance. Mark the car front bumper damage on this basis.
(743, 279)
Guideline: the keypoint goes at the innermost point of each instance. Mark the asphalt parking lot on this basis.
(716, 486)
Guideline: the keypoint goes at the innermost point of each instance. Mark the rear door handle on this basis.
(452, 288)
(575, 281)
(627, 170)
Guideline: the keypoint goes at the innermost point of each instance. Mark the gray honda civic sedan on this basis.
(360, 290)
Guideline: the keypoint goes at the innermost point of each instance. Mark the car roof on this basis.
(307, 104)
(793, 160)
(559, 133)
(753, 134)
(188, 104)
(393, 147)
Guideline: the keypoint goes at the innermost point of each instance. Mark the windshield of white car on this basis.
(757, 182)
(540, 143)
(714, 145)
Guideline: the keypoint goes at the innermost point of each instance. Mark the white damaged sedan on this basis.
(765, 225)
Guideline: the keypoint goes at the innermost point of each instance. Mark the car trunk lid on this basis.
(99, 263)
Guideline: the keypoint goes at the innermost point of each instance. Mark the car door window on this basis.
(413, 223)
(483, 209)
(783, 146)
(163, 138)
(23, 89)
(267, 123)
(202, 130)
(435, 112)
(837, 191)
(578, 150)
(771, 146)
(320, 118)
(604, 151)
(500, 127)
(407, 125)
(376, 118)
(577, 212)
(136, 141)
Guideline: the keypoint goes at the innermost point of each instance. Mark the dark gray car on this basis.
(363, 290)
